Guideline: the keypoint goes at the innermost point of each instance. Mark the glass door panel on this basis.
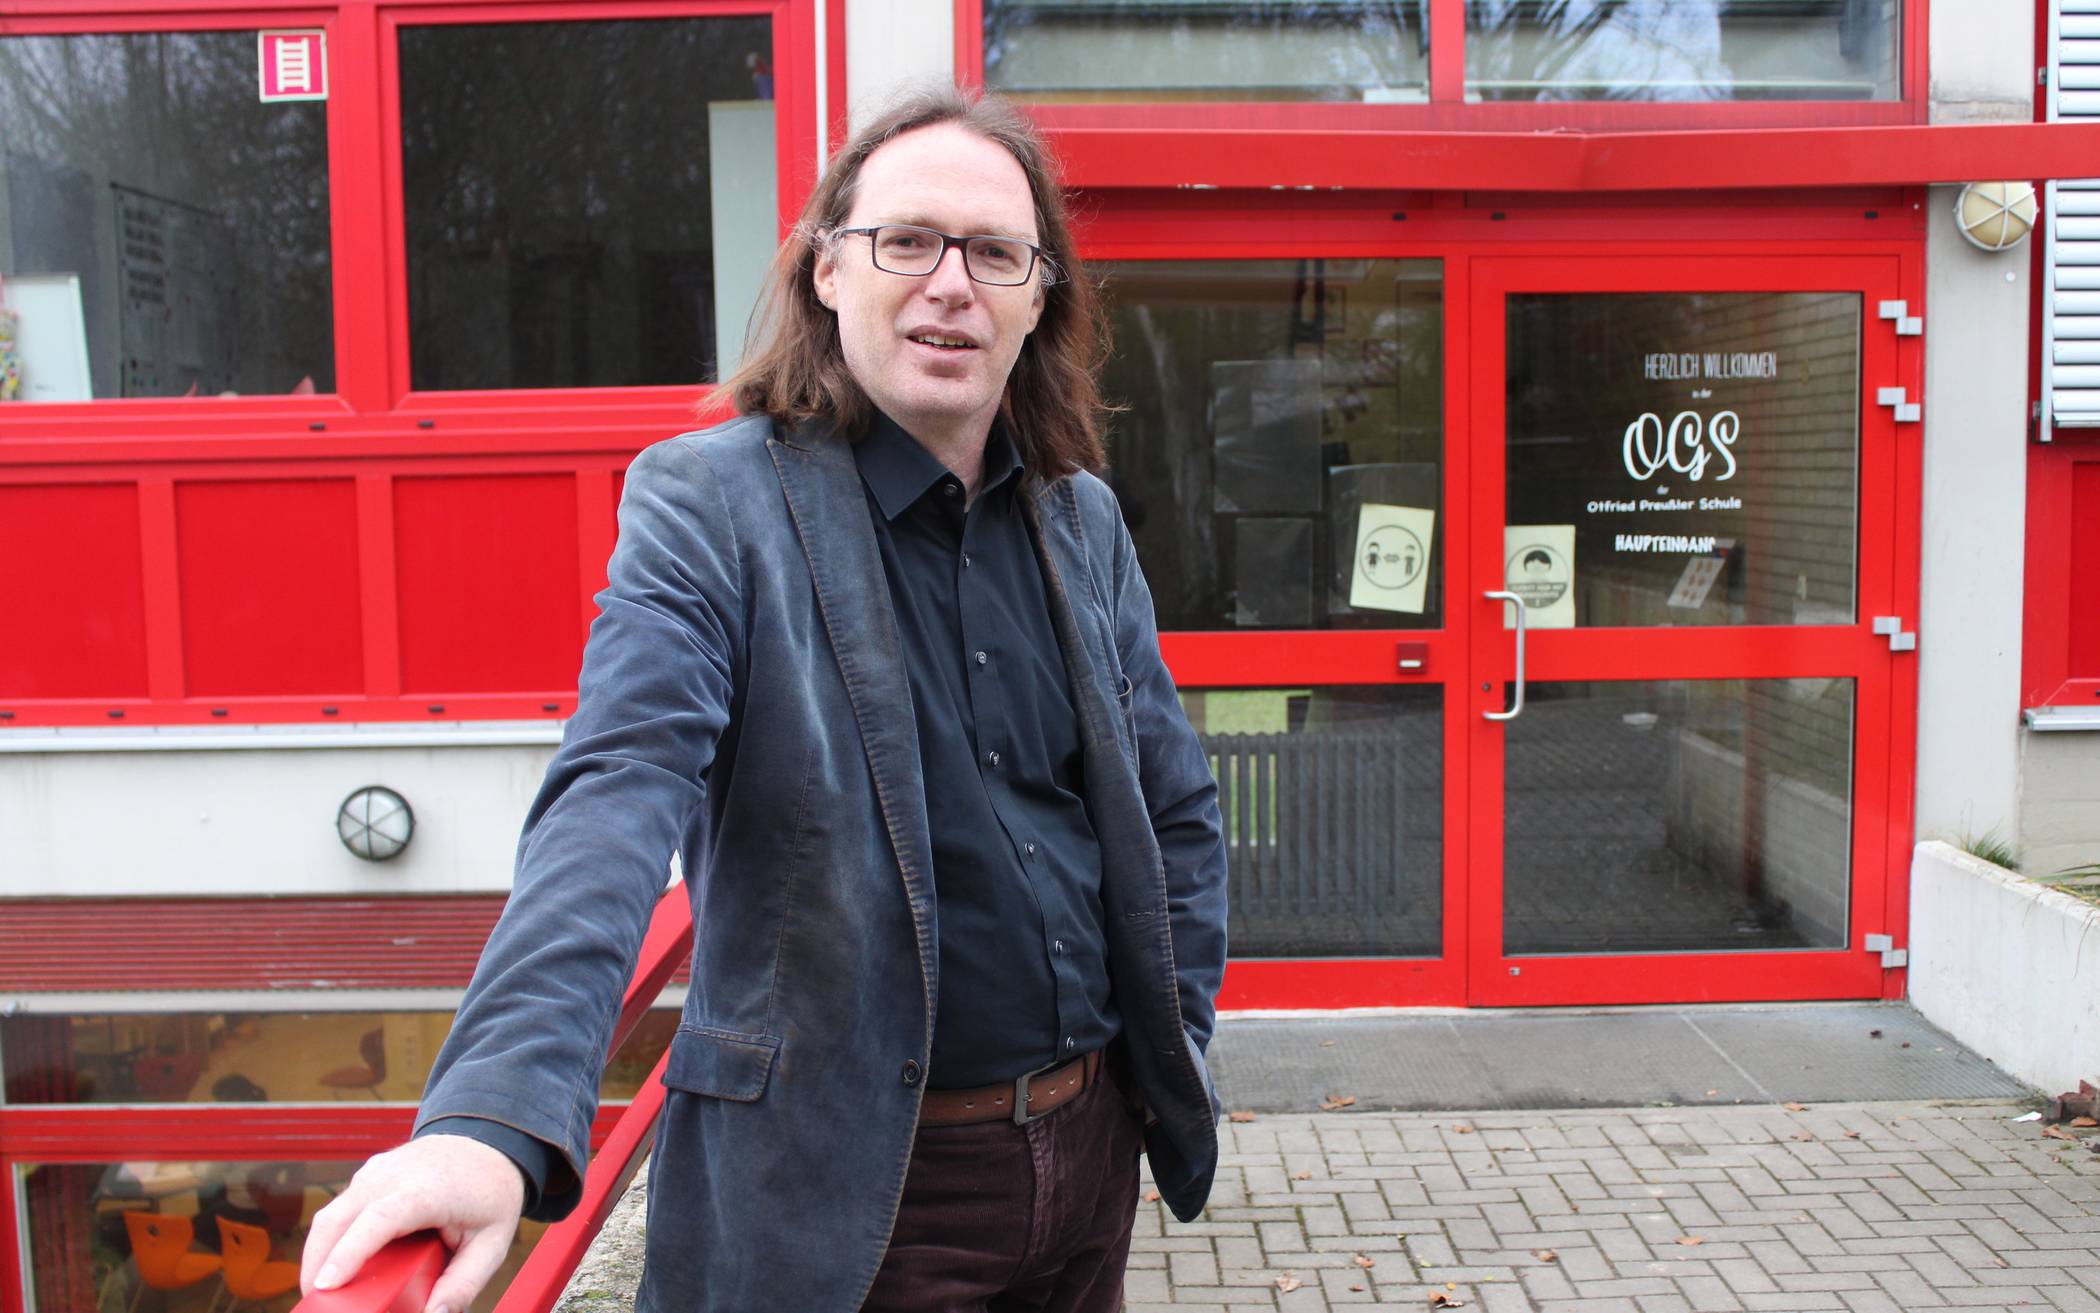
(1684, 458)
(1334, 817)
(1651, 816)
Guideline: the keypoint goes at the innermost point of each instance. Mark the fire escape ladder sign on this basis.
(2071, 231)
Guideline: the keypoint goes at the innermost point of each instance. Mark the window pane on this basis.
(1684, 458)
(163, 233)
(180, 1237)
(588, 204)
(1678, 816)
(1158, 50)
(1334, 820)
(1683, 50)
(256, 1057)
(1280, 460)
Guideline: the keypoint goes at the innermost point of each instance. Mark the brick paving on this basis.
(1859, 1207)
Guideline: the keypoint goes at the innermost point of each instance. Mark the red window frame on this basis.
(1447, 109)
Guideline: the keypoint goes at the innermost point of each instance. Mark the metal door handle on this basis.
(1516, 707)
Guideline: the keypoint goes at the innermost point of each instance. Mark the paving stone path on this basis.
(1865, 1207)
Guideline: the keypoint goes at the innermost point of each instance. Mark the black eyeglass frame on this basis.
(1036, 254)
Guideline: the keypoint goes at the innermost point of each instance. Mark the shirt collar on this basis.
(899, 471)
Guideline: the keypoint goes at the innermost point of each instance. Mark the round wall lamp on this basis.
(1996, 216)
(375, 823)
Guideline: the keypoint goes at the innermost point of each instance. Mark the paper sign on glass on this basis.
(1392, 558)
(1541, 569)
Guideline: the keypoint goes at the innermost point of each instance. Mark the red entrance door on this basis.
(1691, 487)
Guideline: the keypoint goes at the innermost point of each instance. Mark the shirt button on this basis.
(1058, 944)
(911, 1071)
(992, 757)
(948, 489)
(982, 658)
(966, 560)
(1070, 1043)
(1029, 849)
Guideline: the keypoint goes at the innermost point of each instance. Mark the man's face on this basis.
(947, 178)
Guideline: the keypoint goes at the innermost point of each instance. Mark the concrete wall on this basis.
(257, 821)
(1975, 448)
(2059, 801)
(2001, 965)
(893, 44)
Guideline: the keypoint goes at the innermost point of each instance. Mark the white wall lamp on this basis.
(1996, 216)
(375, 823)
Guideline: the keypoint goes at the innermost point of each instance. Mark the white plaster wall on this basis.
(1975, 455)
(893, 44)
(258, 821)
(2006, 967)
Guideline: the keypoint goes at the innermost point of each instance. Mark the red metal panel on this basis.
(1163, 155)
(269, 586)
(74, 596)
(88, 944)
(488, 581)
(2082, 599)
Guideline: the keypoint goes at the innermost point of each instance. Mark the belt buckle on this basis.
(1021, 1096)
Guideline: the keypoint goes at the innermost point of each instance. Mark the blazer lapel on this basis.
(824, 495)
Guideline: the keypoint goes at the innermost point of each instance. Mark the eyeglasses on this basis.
(900, 248)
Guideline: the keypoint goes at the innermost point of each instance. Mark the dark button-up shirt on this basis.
(1016, 868)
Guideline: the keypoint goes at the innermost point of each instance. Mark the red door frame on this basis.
(1751, 652)
(1876, 238)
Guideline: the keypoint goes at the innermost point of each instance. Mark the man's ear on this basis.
(1035, 306)
(823, 278)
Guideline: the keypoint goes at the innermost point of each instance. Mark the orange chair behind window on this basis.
(250, 1272)
(160, 1245)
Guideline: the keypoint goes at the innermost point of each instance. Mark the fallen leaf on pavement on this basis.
(1546, 1255)
(1873, 1034)
(1241, 1116)
(1301, 1176)
(2084, 1121)
(1803, 1135)
(1287, 1283)
(1851, 1135)
(1691, 1240)
(1795, 1107)
(1357, 1289)
(1711, 1093)
(1151, 1196)
(1438, 1299)
(2059, 1133)
(1463, 1129)
(1999, 1262)
(1363, 1261)
(1334, 1101)
(1326, 1043)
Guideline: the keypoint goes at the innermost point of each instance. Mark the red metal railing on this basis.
(399, 1277)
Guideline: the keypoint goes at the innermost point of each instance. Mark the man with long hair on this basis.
(877, 661)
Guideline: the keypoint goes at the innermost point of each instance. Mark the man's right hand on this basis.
(469, 1192)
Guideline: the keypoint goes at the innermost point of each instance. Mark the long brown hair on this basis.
(795, 371)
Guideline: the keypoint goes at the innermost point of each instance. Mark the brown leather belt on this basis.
(1026, 1099)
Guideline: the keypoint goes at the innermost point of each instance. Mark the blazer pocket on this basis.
(720, 1063)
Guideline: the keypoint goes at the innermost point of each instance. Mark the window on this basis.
(1276, 410)
(588, 204)
(1151, 50)
(256, 1057)
(163, 232)
(1687, 50)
